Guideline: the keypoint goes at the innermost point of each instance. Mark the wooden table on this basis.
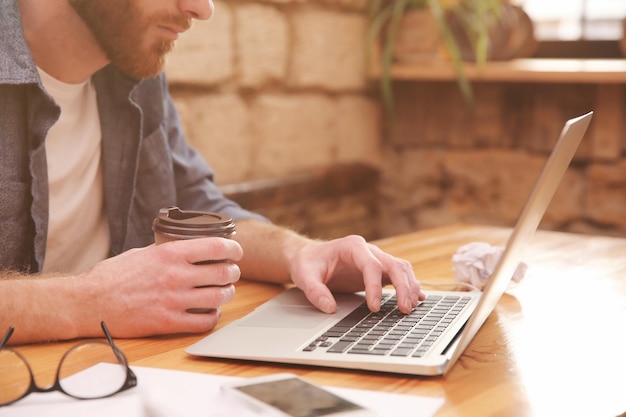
(554, 345)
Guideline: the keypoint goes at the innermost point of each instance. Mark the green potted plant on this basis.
(474, 17)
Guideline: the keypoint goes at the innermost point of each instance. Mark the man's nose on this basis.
(197, 9)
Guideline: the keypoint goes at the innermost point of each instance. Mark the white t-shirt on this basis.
(78, 232)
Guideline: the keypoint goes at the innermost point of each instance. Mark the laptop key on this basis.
(340, 347)
(402, 351)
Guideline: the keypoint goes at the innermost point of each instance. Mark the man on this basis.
(92, 148)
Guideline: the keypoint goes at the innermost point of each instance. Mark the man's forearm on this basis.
(42, 308)
(267, 250)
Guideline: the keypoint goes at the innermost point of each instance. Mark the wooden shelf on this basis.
(532, 70)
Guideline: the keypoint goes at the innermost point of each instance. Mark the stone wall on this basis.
(443, 164)
(269, 89)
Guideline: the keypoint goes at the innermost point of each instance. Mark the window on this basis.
(577, 28)
(576, 19)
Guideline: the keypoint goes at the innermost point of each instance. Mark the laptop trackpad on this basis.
(281, 316)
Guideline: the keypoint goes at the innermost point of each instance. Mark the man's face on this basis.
(135, 38)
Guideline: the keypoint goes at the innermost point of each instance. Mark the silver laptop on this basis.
(427, 342)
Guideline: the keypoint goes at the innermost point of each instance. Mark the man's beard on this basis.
(121, 29)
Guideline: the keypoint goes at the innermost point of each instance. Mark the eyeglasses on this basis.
(89, 370)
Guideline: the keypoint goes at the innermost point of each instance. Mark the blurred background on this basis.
(283, 98)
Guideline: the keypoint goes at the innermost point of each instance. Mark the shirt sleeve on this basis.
(194, 178)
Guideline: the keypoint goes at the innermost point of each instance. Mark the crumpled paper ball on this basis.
(475, 262)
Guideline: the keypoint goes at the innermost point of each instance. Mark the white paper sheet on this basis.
(165, 393)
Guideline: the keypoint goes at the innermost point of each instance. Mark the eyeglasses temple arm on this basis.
(118, 353)
(131, 379)
(7, 336)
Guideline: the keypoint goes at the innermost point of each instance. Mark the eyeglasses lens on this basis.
(14, 376)
(91, 370)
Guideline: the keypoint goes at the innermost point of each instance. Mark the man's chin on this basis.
(142, 75)
(141, 71)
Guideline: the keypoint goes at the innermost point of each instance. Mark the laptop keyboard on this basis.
(389, 331)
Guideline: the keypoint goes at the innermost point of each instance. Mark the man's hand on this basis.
(351, 264)
(276, 254)
(161, 289)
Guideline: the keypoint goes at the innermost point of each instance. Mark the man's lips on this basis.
(171, 32)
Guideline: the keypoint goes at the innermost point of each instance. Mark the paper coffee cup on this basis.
(173, 223)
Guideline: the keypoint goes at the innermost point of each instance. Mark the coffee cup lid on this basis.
(187, 224)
